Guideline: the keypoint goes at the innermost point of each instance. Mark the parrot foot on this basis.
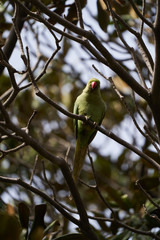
(86, 119)
(95, 124)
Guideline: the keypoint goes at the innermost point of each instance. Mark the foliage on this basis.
(56, 47)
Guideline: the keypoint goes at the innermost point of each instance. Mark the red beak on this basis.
(93, 85)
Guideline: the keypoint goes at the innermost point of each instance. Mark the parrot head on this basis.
(92, 85)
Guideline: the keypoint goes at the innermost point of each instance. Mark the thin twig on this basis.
(140, 43)
(10, 90)
(154, 217)
(97, 188)
(18, 33)
(30, 120)
(143, 13)
(79, 13)
(11, 71)
(147, 195)
(67, 153)
(130, 49)
(152, 136)
(11, 150)
(137, 108)
(46, 180)
(34, 169)
(8, 133)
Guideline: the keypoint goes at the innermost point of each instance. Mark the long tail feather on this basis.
(79, 157)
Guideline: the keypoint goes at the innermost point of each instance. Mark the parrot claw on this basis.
(87, 118)
(95, 124)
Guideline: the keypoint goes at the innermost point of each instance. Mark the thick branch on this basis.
(156, 82)
(155, 96)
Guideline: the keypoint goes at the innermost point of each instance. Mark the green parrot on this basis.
(90, 104)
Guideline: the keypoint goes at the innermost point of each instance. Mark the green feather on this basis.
(90, 104)
(80, 153)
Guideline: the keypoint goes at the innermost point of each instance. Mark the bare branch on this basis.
(98, 190)
(11, 150)
(11, 70)
(46, 180)
(42, 194)
(30, 120)
(12, 38)
(120, 223)
(141, 45)
(8, 134)
(18, 32)
(155, 96)
(79, 13)
(130, 49)
(34, 169)
(141, 15)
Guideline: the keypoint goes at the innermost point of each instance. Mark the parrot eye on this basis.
(93, 85)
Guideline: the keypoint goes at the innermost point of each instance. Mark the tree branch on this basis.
(79, 13)
(12, 38)
(104, 131)
(141, 45)
(110, 61)
(84, 223)
(155, 96)
(42, 194)
(141, 15)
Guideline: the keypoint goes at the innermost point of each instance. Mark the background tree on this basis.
(56, 47)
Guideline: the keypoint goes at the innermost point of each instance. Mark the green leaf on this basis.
(23, 211)
(10, 228)
(38, 226)
(149, 183)
(153, 155)
(103, 16)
